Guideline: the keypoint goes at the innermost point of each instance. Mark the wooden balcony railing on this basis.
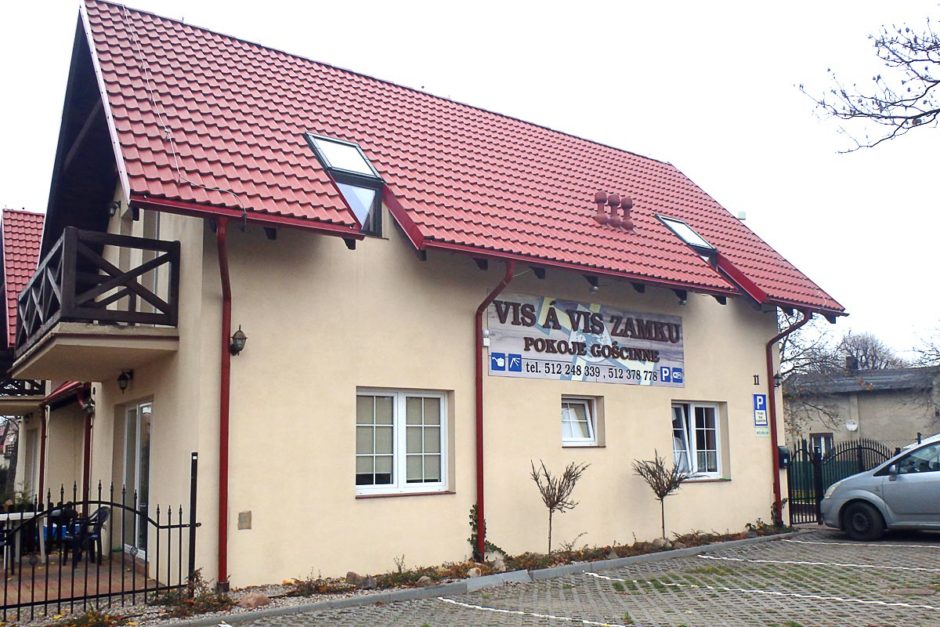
(76, 283)
(10, 388)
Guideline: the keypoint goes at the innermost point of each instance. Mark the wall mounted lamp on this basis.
(778, 380)
(124, 379)
(238, 341)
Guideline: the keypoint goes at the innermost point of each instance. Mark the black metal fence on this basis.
(69, 552)
(811, 472)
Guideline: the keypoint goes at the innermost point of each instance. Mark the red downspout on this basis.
(224, 384)
(772, 407)
(42, 452)
(478, 351)
(86, 460)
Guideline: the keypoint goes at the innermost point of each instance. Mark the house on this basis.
(20, 400)
(364, 309)
(890, 405)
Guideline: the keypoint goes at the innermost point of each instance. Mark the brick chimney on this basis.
(851, 364)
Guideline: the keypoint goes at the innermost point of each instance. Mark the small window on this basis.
(696, 439)
(400, 442)
(578, 422)
(688, 235)
(356, 179)
(821, 442)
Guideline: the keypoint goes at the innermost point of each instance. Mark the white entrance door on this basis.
(137, 474)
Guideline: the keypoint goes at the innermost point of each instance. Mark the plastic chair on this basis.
(61, 519)
(85, 535)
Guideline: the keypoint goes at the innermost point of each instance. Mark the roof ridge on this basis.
(385, 81)
(22, 211)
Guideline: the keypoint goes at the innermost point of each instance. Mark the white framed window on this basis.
(578, 421)
(696, 439)
(401, 441)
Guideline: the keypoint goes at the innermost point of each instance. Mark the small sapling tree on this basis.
(661, 479)
(556, 490)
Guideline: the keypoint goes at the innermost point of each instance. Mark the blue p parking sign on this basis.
(760, 410)
(665, 374)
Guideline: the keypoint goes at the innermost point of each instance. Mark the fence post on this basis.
(860, 456)
(919, 436)
(817, 483)
(193, 472)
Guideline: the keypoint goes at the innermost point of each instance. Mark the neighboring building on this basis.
(890, 405)
(20, 236)
(356, 232)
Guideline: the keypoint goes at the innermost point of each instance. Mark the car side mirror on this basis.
(893, 471)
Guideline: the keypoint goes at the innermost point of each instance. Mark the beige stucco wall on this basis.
(322, 320)
(64, 451)
(183, 390)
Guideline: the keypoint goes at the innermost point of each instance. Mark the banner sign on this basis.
(539, 337)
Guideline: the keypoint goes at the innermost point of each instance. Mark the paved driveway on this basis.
(819, 578)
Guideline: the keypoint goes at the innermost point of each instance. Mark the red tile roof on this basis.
(22, 235)
(457, 177)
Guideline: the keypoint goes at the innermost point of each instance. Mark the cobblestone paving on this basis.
(813, 579)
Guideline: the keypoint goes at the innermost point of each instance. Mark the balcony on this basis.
(86, 318)
(20, 396)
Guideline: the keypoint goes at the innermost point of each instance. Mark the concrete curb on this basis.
(478, 583)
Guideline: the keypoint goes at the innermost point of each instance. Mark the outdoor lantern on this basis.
(778, 380)
(124, 379)
(238, 341)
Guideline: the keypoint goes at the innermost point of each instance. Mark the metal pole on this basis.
(193, 472)
(817, 483)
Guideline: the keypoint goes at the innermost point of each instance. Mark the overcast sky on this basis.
(708, 86)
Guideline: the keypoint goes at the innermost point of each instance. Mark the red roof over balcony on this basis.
(22, 235)
(457, 177)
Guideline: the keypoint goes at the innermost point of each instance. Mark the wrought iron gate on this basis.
(811, 473)
(71, 551)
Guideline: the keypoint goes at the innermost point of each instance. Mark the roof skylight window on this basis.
(356, 179)
(688, 235)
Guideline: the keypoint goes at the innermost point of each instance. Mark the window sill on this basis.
(708, 480)
(400, 494)
(580, 445)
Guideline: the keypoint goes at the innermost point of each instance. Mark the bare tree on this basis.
(869, 352)
(896, 101)
(661, 479)
(807, 357)
(928, 352)
(811, 358)
(556, 490)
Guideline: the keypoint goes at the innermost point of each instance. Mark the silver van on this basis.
(902, 493)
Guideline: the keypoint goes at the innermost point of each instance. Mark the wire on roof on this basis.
(164, 121)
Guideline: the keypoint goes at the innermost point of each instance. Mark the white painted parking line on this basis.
(802, 563)
(566, 619)
(796, 595)
(884, 545)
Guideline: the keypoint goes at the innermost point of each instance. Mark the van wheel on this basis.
(861, 521)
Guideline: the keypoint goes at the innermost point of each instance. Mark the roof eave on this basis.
(254, 217)
(485, 253)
